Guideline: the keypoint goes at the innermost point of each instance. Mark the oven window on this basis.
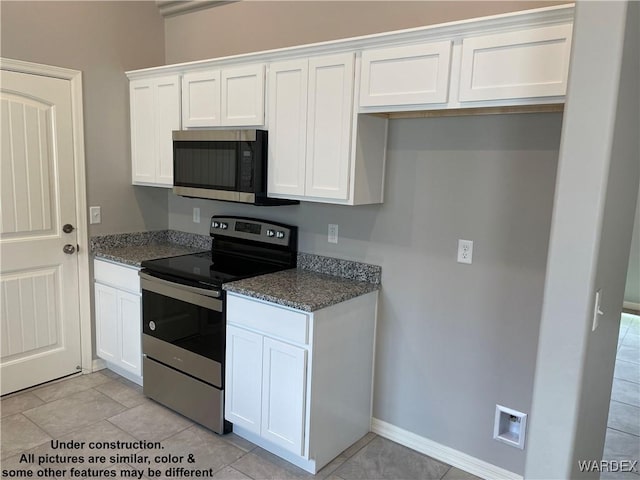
(192, 327)
(205, 164)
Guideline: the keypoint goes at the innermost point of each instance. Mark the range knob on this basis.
(215, 224)
(279, 234)
(223, 225)
(270, 233)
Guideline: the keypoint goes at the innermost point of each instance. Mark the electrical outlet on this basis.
(196, 215)
(332, 236)
(95, 216)
(465, 251)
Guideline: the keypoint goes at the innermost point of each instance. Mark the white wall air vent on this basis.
(169, 8)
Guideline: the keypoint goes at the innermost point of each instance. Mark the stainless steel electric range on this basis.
(183, 313)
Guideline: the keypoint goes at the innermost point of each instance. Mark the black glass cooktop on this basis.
(202, 268)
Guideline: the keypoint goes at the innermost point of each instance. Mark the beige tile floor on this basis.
(623, 427)
(105, 407)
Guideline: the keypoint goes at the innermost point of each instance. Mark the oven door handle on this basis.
(189, 288)
(186, 293)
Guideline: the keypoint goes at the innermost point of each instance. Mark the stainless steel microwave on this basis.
(228, 165)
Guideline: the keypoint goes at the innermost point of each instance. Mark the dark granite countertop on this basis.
(317, 283)
(134, 248)
(136, 254)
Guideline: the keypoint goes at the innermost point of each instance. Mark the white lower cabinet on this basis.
(283, 387)
(243, 395)
(265, 387)
(118, 318)
(298, 384)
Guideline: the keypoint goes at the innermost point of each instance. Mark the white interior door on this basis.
(39, 315)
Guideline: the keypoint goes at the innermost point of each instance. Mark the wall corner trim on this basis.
(441, 452)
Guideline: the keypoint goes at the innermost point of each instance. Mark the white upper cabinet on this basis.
(313, 154)
(223, 97)
(155, 113)
(529, 63)
(288, 89)
(201, 99)
(327, 105)
(243, 96)
(329, 119)
(405, 75)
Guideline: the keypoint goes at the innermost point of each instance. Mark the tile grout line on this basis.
(622, 431)
(625, 403)
(39, 428)
(445, 473)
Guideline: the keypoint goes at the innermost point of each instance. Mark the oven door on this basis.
(183, 327)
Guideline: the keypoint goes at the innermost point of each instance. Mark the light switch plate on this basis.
(95, 215)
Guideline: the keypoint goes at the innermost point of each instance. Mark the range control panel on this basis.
(252, 229)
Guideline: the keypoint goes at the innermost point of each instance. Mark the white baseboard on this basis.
(631, 306)
(441, 452)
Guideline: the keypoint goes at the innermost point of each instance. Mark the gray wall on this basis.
(103, 40)
(596, 195)
(632, 287)
(257, 25)
(453, 339)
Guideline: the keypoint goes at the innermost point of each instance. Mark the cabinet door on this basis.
(243, 377)
(524, 64)
(288, 90)
(201, 99)
(283, 395)
(106, 304)
(331, 80)
(167, 120)
(143, 117)
(243, 96)
(155, 113)
(413, 74)
(130, 332)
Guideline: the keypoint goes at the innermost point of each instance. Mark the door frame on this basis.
(84, 277)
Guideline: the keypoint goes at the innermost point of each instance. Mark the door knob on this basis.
(68, 228)
(69, 249)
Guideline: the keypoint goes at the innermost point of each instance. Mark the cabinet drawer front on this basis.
(525, 64)
(413, 74)
(271, 320)
(119, 276)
